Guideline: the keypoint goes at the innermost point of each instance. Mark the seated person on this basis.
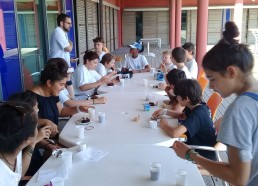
(190, 61)
(135, 61)
(172, 78)
(45, 128)
(166, 64)
(107, 65)
(85, 79)
(179, 58)
(195, 121)
(52, 80)
(98, 48)
(19, 135)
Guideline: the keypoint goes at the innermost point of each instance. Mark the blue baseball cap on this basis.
(136, 45)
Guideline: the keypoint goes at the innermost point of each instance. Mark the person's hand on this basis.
(157, 114)
(163, 67)
(104, 80)
(53, 128)
(162, 86)
(167, 89)
(135, 71)
(101, 100)
(180, 149)
(85, 108)
(51, 147)
(70, 42)
(43, 132)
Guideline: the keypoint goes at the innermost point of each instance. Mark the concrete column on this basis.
(202, 31)
(238, 16)
(172, 20)
(178, 23)
(119, 24)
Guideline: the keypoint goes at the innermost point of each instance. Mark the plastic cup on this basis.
(146, 107)
(122, 82)
(152, 70)
(58, 181)
(145, 82)
(102, 117)
(67, 158)
(91, 112)
(155, 168)
(82, 147)
(181, 176)
(80, 132)
(153, 124)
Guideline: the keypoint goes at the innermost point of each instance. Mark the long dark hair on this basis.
(89, 55)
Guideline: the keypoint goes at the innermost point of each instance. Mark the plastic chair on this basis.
(203, 83)
(201, 74)
(213, 103)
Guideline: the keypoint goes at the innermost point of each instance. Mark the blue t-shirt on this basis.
(200, 128)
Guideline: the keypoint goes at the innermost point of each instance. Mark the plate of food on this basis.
(83, 121)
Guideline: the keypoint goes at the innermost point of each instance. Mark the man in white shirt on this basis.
(190, 61)
(60, 46)
(135, 61)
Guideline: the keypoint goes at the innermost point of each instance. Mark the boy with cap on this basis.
(135, 61)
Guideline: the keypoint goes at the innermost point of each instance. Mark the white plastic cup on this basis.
(155, 168)
(80, 132)
(181, 176)
(58, 181)
(152, 70)
(153, 124)
(145, 82)
(67, 158)
(82, 147)
(102, 117)
(122, 82)
(91, 112)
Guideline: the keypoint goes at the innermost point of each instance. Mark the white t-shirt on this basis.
(192, 68)
(7, 176)
(99, 64)
(102, 70)
(63, 96)
(170, 66)
(187, 73)
(82, 76)
(136, 63)
(58, 42)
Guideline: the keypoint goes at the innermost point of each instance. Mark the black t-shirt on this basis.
(200, 128)
(48, 108)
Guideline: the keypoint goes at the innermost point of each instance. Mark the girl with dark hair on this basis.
(85, 78)
(228, 66)
(18, 136)
(52, 81)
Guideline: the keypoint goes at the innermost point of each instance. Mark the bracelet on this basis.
(165, 111)
(78, 109)
(29, 150)
(69, 83)
(189, 153)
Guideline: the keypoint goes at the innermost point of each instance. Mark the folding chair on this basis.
(213, 103)
(203, 83)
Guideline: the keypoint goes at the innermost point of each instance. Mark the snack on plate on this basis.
(110, 84)
(94, 97)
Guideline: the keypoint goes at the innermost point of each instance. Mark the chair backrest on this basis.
(213, 103)
(203, 83)
(201, 74)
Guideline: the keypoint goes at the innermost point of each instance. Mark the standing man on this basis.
(60, 46)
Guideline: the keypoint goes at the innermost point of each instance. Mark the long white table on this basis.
(119, 127)
(132, 146)
(126, 165)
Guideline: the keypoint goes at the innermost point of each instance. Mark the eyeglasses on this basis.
(18, 108)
